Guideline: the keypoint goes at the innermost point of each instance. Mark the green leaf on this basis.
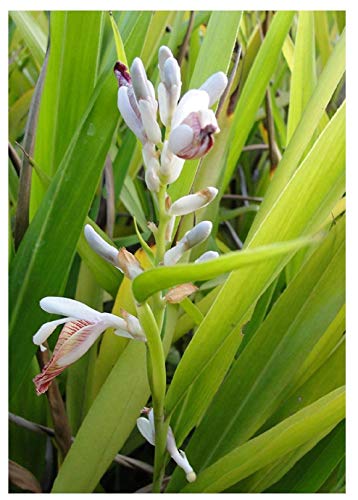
(317, 185)
(107, 425)
(160, 278)
(322, 35)
(33, 35)
(50, 242)
(254, 89)
(269, 362)
(310, 473)
(121, 55)
(286, 436)
(311, 117)
(303, 79)
(69, 83)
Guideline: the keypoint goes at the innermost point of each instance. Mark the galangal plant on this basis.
(185, 319)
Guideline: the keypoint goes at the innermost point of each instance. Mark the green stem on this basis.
(162, 226)
(157, 381)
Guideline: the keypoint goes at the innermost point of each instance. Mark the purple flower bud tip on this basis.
(122, 74)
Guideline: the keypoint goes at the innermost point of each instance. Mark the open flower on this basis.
(83, 326)
(193, 123)
(147, 429)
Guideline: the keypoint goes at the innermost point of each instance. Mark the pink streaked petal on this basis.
(78, 343)
(51, 369)
(44, 379)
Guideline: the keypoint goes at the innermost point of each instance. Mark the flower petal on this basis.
(179, 457)
(69, 307)
(192, 101)
(129, 115)
(215, 86)
(75, 340)
(46, 330)
(141, 85)
(150, 124)
(146, 429)
(180, 138)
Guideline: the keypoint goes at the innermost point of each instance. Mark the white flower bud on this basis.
(215, 86)
(143, 89)
(152, 167)
(163, 54)
(144, 93)
(100, 246)
(170, 86)
(209, 255)
(172, 255)
(152, 180)
(132, 119)
(193, 202)
(150, 124)
(197, 235)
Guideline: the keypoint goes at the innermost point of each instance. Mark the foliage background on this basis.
(262, 382)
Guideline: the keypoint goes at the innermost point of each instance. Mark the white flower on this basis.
(193, 123)
(147, 429)
(197, 235)
(193, 202)
(83, 326)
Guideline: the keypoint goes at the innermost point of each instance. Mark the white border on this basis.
(352, 166)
